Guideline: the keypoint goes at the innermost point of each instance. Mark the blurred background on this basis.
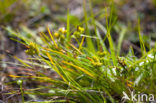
(30, 17)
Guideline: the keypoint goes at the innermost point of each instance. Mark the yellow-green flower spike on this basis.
(95, 59)
(56, 35)
(96, 64)
(80, 29)
(62, 30)
(32, 49)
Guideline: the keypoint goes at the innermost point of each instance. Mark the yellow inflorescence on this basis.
(56, 35)
(96, 62)
(62, 30)
(80, 29)
(32, 49)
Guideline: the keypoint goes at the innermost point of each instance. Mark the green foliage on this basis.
(88, 71)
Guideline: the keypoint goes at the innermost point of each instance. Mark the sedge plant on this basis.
(89, 72)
